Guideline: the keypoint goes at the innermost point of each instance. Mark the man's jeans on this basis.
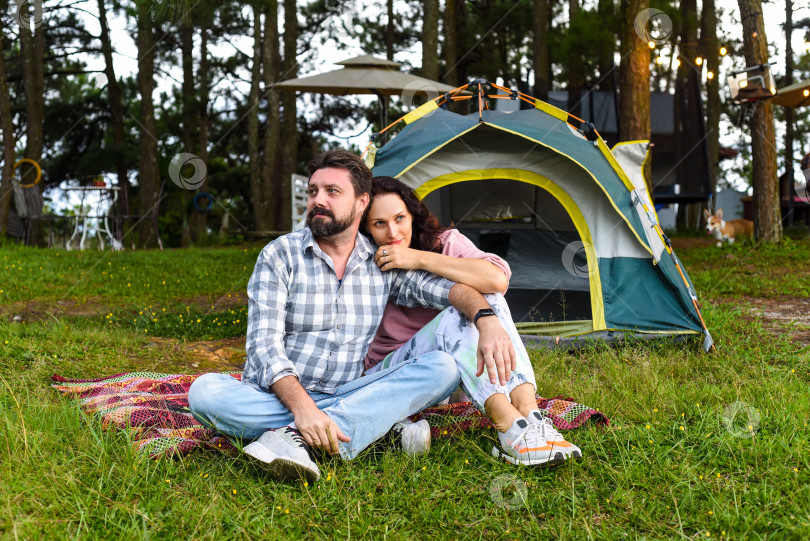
(364, 409)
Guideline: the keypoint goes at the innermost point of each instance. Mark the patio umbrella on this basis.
(366, 74)
(795, 95)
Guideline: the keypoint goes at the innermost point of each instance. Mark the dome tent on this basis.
(572, 217)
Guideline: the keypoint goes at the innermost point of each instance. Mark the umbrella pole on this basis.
(383, 115)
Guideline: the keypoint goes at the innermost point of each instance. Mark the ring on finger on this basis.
(385, 252)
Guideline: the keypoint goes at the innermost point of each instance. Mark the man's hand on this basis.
(316, 427)
(319, 430)
(495, 351)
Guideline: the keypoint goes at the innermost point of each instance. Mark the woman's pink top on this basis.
(400, 323)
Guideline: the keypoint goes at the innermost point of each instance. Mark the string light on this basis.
(699, 61)
(651, 44)
(773, 91)
(709, 75)
(806, 92)
(723, 51)
(677, 62)
(659, 60)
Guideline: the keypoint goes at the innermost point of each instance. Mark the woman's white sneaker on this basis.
(413, 438)
(523, 444)
(550, 434)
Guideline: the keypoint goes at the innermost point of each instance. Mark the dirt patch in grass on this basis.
(38, 310)
(784, 315)
(685, 243)
(205, 355)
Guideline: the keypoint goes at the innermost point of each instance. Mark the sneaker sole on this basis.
(281, 468)
(554, 460)
(572, 452)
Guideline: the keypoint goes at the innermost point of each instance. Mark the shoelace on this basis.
(547, 430)
(522, 436)
(296, 436)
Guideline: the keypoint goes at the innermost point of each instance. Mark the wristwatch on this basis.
(483, 312)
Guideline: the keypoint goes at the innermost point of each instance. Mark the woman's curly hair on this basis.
(426, 227)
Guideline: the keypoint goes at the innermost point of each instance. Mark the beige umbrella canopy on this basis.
(795, 95)
(367, 74)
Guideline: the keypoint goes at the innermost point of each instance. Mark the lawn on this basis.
(699, 446)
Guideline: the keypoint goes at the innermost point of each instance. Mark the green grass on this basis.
(668, 466)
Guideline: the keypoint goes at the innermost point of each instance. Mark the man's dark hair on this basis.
(359, 173)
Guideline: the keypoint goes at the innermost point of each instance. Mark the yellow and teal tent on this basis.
(572, 216)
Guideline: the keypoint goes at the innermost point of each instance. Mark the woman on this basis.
(410, 237)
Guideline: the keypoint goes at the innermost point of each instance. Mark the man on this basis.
(316, 298)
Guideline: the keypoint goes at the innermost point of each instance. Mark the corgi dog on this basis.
(727, 230)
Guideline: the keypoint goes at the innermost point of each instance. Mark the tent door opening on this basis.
(529, 228)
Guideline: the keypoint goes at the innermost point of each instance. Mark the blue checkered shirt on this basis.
(303, 322)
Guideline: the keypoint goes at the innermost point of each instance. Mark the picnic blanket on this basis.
(153, 408)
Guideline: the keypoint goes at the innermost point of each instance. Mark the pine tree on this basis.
(767, 212)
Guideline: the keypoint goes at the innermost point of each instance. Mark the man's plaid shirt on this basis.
(303, 322)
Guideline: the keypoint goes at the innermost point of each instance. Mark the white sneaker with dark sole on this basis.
(412, 438)
(284, 454)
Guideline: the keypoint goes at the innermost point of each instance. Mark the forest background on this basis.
(76, 97)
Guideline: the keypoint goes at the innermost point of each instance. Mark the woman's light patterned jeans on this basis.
(451, 332)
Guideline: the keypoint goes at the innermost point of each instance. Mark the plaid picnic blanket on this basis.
(153, 408)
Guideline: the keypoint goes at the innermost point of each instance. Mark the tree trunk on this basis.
(634, 81)
(32, 52)
(767, 213)
(271, 59)
(389, 31)
(576, 74)
(430, 40)
(116, 109)
(708, 36)
(8, 139)
(542, 67)
(149, 171)
(256, 193)
(189, 110)
(687, 80)
(605, 54)
(789, 134)
(290, 126)
(450, 44)
(199, 220)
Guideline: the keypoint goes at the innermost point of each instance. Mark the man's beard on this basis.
(328, 228)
